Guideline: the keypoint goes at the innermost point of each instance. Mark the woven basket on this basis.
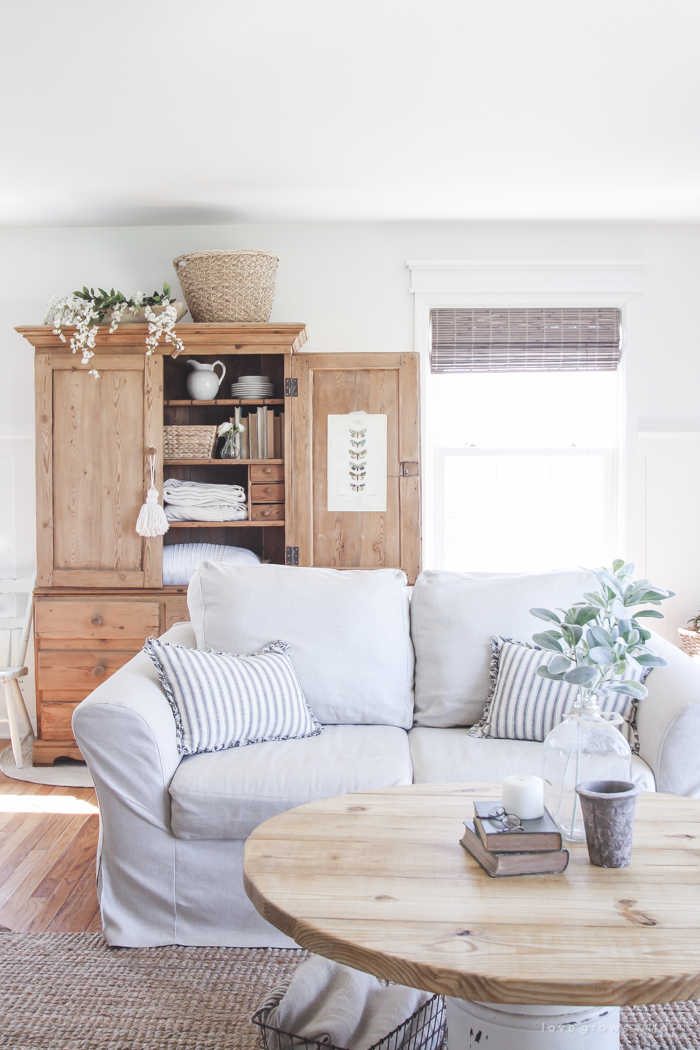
(690, 641)
(189, 442)
(228, 286)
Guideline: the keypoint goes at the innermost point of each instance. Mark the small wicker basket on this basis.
(223, 286)
(690, 641)
(189, 442)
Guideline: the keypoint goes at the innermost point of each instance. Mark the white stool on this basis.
(17, 716)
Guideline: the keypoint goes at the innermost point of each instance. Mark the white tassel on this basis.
(152, 520)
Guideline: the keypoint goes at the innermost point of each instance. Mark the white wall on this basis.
(349, 284)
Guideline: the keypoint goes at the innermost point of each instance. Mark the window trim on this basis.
(487, 284)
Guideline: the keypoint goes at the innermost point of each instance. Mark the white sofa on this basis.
(173, 828)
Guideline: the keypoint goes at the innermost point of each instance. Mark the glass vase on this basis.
(586, 745)
(232, 446)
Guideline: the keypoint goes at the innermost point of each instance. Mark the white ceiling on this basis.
(176, 111)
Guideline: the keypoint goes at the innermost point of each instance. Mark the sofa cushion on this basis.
(348, 633)
(453, 618)
(224, 795)
(452, 756)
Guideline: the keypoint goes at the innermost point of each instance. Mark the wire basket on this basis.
(423, 1030)
(690, 640)
(222, 286)
(189, 442)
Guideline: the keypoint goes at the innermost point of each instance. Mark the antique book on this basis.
(548, 862)
(276, 447)
(253, 434)
(262, 432)
(536, 835)
(270, 412)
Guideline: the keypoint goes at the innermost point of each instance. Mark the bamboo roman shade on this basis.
(532, 340)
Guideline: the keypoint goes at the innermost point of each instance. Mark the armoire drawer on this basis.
(267, 512)
(267, 472)
(73, 669)
(271, 493)
(56, 720)
(96, 619)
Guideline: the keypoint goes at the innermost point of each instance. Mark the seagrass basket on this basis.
(228, 286)
(189, 442)
(690, 641)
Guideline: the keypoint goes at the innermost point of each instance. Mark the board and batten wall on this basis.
(350, 284)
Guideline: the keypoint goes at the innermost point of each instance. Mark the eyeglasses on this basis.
(510, 821)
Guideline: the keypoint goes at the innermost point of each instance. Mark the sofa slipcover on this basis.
(455, 615)
(157, 887)
(225, 795)
(348, 633)
(443, 756)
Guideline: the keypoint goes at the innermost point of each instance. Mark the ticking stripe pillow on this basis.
(220, 700)
(524, 706)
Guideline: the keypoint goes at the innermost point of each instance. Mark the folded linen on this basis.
(336, 1005)
(198, 494)
(233, 512)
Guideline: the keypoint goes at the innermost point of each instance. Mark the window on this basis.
(524, 406)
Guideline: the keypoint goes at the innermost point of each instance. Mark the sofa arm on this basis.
(126, 732)
(669, 721)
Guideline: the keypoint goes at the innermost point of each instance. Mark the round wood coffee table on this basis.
(378, 880)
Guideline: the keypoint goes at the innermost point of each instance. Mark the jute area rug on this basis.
(69, 991)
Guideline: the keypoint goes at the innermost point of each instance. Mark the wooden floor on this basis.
(48, 842)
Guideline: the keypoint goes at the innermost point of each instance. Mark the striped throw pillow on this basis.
(220, 700)
(524, 706)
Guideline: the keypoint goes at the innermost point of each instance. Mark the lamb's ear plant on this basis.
(600, 642)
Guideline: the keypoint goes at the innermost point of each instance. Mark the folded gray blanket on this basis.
(338, 1006)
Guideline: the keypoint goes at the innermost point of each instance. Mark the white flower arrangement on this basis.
(225, 428)
(87, 309)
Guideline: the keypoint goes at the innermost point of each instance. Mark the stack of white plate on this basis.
(253, 386)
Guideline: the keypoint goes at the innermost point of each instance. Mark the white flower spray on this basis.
(87, 310)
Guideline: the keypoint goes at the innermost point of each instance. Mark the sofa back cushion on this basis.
(455, 615)
(348, 633)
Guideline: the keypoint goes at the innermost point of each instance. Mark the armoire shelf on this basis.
(224, 524)
(244, 401)
(220, 462)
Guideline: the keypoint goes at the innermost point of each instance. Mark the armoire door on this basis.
(340, 384)
(92, 438)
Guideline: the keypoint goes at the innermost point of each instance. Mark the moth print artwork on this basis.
(357, 462)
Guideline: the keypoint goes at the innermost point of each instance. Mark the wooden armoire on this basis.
(100, 590)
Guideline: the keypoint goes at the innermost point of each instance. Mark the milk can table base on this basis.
(495, 1026)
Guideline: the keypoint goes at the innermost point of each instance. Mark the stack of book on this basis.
(534, 850)
(263, 437)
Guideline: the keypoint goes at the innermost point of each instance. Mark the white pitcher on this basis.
(203, 383)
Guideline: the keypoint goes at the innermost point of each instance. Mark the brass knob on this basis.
(268, 470)
(98, 671)
(95, 621)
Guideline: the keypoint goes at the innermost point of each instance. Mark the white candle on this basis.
(524, 795)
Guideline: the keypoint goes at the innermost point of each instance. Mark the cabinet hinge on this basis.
(409, 470)
(291, 388)
(292, 557)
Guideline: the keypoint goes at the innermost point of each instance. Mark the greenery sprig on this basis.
(88, 308)
(599, 642)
